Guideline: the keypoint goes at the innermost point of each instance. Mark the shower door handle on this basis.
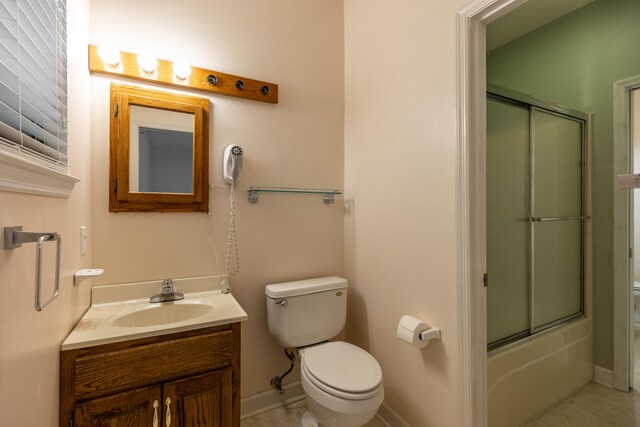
(558, 218)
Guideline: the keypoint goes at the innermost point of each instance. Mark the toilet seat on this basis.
(342, 370)
(320, 401)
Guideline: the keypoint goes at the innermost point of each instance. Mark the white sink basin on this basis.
(123, 312)
(162, 314)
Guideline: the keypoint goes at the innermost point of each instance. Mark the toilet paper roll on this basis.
(409, 330)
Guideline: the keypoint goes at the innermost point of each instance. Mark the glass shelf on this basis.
(329, 195)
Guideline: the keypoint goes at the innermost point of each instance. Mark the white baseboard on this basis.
(270, 399)
(390, 418)
(603, 376)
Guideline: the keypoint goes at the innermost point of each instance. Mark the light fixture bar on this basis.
(200, 79)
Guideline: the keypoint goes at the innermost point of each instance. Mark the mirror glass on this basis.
(161, 151)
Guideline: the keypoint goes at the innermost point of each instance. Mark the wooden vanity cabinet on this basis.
(187, 379)
(132, 408)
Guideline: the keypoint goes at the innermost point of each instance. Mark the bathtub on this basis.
(529, 376)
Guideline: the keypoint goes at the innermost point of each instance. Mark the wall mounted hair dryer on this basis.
(232, 163)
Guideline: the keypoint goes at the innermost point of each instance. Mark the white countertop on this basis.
(112, 306)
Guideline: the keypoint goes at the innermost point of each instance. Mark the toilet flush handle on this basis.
(283, 303)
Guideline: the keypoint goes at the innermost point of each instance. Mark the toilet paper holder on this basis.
(416, 332)
(430, 334)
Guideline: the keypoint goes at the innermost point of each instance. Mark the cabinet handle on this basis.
(155, 413)
(167, 418)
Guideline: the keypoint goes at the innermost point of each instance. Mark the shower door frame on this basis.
(532, 105)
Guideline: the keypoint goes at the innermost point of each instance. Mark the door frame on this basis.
(471, 88)
(622, 238)
(471, 24)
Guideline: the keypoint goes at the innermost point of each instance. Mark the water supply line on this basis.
(276, 382)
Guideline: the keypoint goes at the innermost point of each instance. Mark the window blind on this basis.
(33, 79)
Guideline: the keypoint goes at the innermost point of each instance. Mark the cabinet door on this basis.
(128, 409)
(201, 401)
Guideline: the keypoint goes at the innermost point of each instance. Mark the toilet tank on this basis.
(307, 311)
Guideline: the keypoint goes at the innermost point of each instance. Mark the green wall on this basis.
(574, 62)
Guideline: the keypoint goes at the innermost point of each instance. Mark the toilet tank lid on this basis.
(305, 287)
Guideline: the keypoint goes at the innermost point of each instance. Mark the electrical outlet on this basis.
(83, 240)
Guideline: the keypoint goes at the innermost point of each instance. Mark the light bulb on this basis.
(182, 69)
(109, 55)
(147, 62)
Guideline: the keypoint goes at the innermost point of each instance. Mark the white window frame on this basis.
(23, 172)
(18, 174)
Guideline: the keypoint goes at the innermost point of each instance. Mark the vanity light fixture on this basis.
(144, 67)
(147, 62)
(182, 69)
(109, 55)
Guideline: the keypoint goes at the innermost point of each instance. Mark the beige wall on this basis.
(298, 143)
(398, 137)
(29, 353)
(400, 156)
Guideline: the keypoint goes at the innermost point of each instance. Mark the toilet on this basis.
(343, 382)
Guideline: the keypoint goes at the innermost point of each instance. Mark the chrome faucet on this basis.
(168, 294)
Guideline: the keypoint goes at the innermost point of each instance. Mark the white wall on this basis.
(400, 156)
(298, 143)
(29, 354)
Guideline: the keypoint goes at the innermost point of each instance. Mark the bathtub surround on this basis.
(554, 365)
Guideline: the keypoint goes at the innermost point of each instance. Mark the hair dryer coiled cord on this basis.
(232, 242)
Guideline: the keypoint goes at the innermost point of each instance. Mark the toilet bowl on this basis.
(343, 384)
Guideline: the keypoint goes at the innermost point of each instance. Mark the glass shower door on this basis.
(507, 225)
(557, 217)
(535, 219)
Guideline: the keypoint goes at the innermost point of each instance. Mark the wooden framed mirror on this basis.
(159, 159)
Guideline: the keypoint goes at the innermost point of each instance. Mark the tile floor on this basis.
(287, 416)
(593, 406)
(597, 405)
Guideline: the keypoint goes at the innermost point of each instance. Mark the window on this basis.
(33, 84)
